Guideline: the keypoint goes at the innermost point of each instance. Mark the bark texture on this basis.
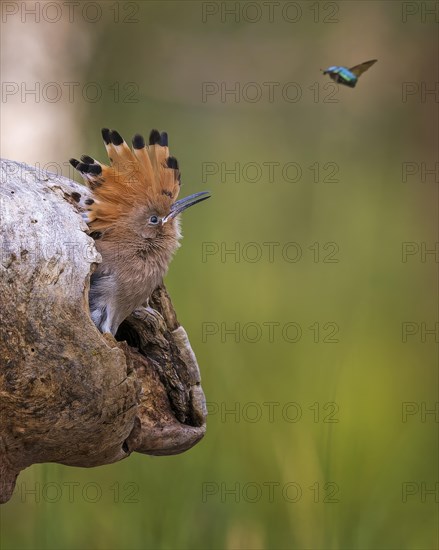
(68, 393)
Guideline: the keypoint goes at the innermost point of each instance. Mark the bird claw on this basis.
(151, 317)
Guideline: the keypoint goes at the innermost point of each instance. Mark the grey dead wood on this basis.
(68, 393)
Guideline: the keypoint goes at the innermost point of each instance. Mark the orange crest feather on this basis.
(142, 176)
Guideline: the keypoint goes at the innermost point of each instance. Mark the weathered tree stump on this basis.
(70, 394)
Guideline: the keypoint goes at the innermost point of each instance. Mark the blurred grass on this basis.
(369, 453)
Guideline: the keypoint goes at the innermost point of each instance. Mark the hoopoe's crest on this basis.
(144, 175)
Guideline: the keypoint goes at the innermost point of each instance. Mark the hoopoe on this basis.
(134, 220)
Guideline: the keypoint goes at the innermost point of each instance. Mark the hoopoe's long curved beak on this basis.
(182, 204)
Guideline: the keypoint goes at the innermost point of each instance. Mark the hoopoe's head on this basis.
(138, 193)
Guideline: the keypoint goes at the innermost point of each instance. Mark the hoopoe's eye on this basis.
(154, 220)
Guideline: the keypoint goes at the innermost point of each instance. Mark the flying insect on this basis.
(348, 77)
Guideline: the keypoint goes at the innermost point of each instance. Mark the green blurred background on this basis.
(307, 444)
